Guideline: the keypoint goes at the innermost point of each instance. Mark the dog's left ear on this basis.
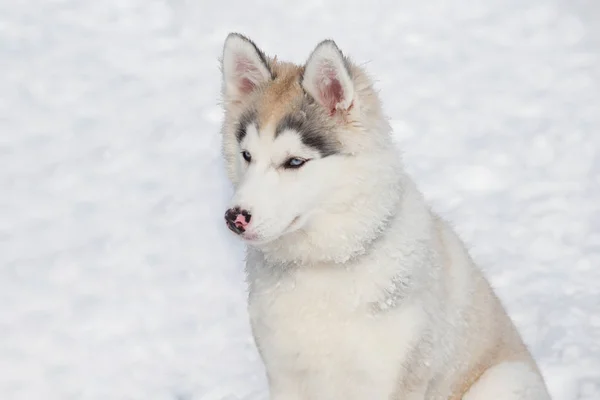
(244, 67)
(327, 77)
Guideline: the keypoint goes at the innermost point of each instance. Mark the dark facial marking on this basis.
(248, 117)
(311, 133)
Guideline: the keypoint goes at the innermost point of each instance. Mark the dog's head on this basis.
(308, 151)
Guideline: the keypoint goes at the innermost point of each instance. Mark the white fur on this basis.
(264, 175)
(317, 333)
(356, 289)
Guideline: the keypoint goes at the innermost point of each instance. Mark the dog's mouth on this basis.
(256, 239)
(293, 222)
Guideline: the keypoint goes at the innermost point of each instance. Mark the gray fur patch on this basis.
(247, 117)
(313, 127)
(392, 295)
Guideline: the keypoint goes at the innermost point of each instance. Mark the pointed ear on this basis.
(244, 67)
(327, 77)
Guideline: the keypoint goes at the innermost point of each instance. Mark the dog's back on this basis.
(484, 335)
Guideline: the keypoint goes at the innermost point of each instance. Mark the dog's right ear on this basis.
(244, 67)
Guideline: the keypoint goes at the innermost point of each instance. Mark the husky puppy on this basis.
(357, 290)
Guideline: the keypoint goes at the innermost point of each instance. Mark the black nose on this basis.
(237, 219)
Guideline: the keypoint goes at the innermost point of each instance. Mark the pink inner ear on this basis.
(329, 86)
(244, 70)
(246, 86)
(335, 94)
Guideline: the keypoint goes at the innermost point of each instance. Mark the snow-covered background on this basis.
(118, 278)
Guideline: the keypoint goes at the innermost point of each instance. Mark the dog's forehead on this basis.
(283, 106)
(281, 96)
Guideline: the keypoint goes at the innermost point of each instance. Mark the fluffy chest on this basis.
(324, 320)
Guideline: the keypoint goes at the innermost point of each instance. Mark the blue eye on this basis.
(246, 156)
(294, 163)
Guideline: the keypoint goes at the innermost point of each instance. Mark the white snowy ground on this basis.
(118, 279)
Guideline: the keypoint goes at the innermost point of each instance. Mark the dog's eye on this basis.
(294, 163)
(246, 156)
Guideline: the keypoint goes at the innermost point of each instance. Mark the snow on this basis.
(118, 278)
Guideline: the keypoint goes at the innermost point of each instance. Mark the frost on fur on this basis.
(327, 79)
(245, 67)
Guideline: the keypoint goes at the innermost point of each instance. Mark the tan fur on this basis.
(496, 339)
(278, 98)
(492, 338)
